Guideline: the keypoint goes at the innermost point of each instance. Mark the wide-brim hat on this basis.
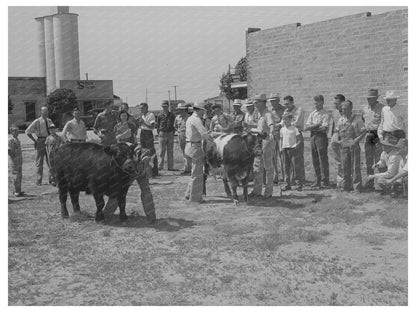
(260, 98)
(182, 106)
(391, 94)
(165, 103)
(52, 126)
(372, 93)
(274, 95)
(249, 102)
(237, 102)
(389, 140)
(199, 106)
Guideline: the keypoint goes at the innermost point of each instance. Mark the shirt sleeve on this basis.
(65, 131)
(325, 120)
(200, 127)
(297, 120)
(10, 145)
(269, 119)
(97, 123)
(308, 121)
(152, 118)
(392, 167)
(380, 127)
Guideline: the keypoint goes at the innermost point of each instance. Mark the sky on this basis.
(159, 47)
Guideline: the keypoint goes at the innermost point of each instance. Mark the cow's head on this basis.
(254, 142)
(124, 156)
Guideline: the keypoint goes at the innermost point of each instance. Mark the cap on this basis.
(237, 102)
(165, 103)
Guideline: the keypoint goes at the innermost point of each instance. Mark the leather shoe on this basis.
(286, 188)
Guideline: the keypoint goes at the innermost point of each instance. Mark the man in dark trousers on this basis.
(147, 123)
(166, 130)
(40, 127)
(372, 146)
(317, 124)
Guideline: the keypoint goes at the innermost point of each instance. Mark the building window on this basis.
(30, 111)
(218, 102)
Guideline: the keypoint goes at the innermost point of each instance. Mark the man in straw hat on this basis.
(277, 112)
(238, 116)
(195, 133)
(393, 118)
(265, 126)
(251, 116)
(221, 122)
(15, 153)
(52, 143)
(180, 126)
(335, 143)
(400, 179)
(390, 159)
(372, 118)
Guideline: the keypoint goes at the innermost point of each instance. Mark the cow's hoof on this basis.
(99, 217)
(64, 215)
(123, 218)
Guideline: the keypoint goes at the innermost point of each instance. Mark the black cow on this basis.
(97, 170)
(235, 153)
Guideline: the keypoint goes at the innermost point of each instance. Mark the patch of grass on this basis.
(373, 239)
(275, 239)
(394, 218)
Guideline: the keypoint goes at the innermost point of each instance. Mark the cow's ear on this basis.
(111, 150)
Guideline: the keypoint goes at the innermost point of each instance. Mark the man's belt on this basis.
(372, 131)
(193, 141)
(75, 140)
(39, 137)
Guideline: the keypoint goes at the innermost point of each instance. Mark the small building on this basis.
(90, 94)
(28, 95)
(222, 100)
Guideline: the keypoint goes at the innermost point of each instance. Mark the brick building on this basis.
(28, 95)
(345, 55)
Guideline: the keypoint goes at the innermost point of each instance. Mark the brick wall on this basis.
(25, 89)
(346, 55)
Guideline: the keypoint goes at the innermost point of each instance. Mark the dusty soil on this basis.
(316, 247)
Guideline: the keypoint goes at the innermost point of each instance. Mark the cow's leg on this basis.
(244, 183)
(226, 186)
(74, 200)
(63, 195)
(99, 202)
(122, 206)
(234, 184)
(225, 181)
(204, 180)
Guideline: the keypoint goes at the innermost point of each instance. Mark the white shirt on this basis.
(391, 161)
(38, 126)
(74, 130)
(195, 130)
(149, 118)
(392, 119)
(288, 136)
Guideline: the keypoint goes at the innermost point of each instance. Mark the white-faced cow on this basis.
(97, 170)
(235, 153)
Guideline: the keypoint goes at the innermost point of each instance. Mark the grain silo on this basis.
(58, 47)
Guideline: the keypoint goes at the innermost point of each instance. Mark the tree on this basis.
(11, 105)
(59, 102)
(227, 79)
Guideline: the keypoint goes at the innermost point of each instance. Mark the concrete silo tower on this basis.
(58, 47)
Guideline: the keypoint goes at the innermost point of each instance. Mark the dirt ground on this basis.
(315, 247)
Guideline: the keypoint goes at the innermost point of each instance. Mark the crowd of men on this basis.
(382, 127)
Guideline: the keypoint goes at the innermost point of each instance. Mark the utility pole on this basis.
(169, 98)
(175, 91)
(146, 96)
(86, 76)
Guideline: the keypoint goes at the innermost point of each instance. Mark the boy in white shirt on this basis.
(290, 138)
